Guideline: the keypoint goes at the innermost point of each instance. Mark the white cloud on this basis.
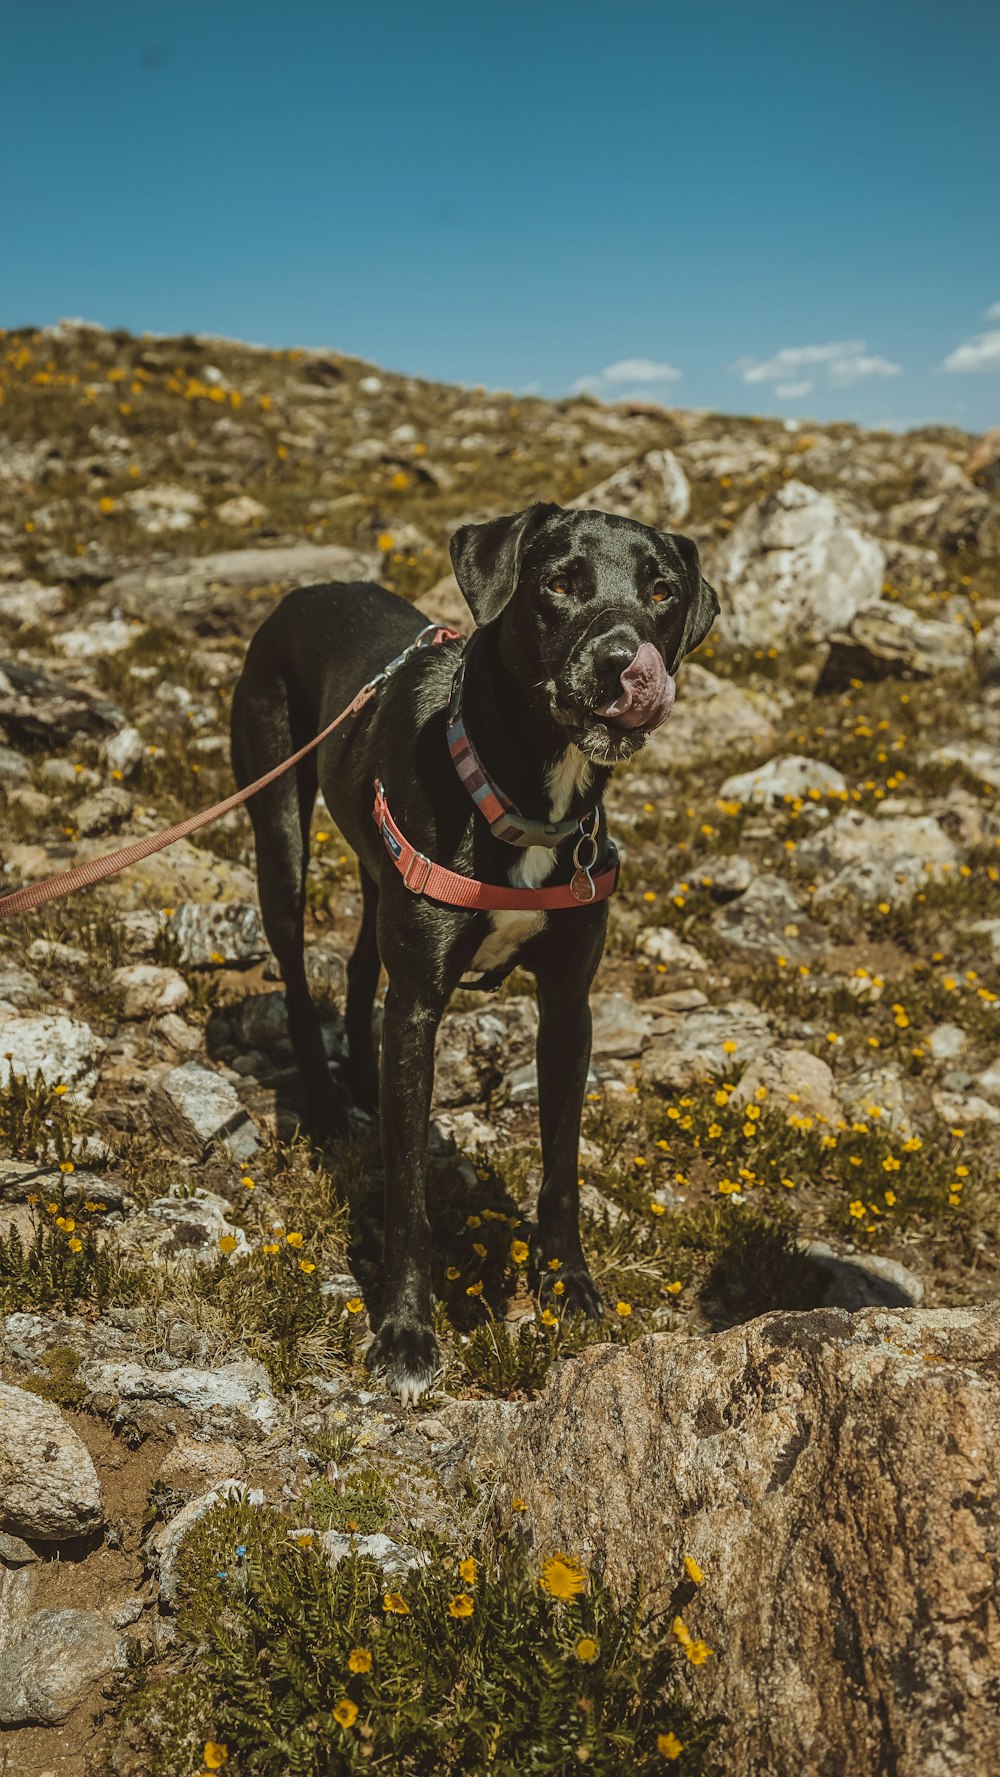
(982, 352)
(851, 370)
(992, 313)
(793, 391)
(846, 360)
(627, 372)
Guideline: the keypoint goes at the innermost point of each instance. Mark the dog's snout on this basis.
(612, 656)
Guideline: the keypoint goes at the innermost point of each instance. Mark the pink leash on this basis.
(54, 888)
(420, 875)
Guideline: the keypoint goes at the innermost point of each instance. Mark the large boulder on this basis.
(787, 778)
(52, 1661)
(234, 589)
(890, 641)
(48, 1484)
(193, 1109)
(794, 570)
(63, 1050)
(834, 1477)
(873, 858)
(653, 490)
(712, 720)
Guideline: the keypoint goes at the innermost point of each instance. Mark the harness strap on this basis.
(423, 877)
(505, 821)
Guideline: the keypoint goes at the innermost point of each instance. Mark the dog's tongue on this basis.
(647, 692)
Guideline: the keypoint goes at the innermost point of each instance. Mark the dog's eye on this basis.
(661, 591)
(559, 585)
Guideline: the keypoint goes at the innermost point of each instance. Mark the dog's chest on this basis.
(529, 869)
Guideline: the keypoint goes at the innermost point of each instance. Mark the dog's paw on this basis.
(578, 1295)
(409, 1357)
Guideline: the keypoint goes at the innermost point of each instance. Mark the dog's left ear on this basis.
(703, 607)
(487, 558)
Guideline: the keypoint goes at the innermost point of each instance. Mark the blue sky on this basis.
(792, 207)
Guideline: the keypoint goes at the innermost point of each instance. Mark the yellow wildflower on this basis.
(345, 1712)
(668, 1746)
(359, 1660)
(586, 1649)
(395, 1604)
(461, 1605)
(562, 1577)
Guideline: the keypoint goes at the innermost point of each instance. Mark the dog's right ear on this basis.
(487, 558)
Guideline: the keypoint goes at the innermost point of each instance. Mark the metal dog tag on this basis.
(582, 885)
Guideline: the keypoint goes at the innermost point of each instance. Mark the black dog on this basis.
(582, 617)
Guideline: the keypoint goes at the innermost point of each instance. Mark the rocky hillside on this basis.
(219, 1543)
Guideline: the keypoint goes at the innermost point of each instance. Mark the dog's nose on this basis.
(612, 656)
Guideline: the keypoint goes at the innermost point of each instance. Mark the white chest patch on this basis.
(566, 778)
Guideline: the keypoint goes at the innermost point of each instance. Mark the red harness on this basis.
(423, 877)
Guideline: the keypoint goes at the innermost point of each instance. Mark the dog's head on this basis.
(593, 613)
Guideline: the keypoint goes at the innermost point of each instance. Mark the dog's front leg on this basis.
(563, 1057)
(405, 1346)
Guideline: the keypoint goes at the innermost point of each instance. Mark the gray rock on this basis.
(18, 986)
(241, 510)
(890, 641)
(14, 767)
(787, 776)
(210, 592)
(165, 507)
(980, 761)
(48, 1484)
(475, 1049)
(960, 1108)
(193, 1108)
(176, 1228)
(725, 878)
(394, 1558)
(55, 955)
(103, 812)
(210, 933)
(793, 569)
(863, 1280)
(946, 1042)
(111, 636)
(520, 1086)
(709, 1040)
(65, 1051)
(125, 751)
(876, 1095)
(52, 1663)
(621, 1027)
(957, 519)
(662, 945)
(712, 718)
(876, 858)
(35, 707)
(769, 920)
(797, 1083)
(654, 491)
(148, 989)
(26, 601)
(231, 1401)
